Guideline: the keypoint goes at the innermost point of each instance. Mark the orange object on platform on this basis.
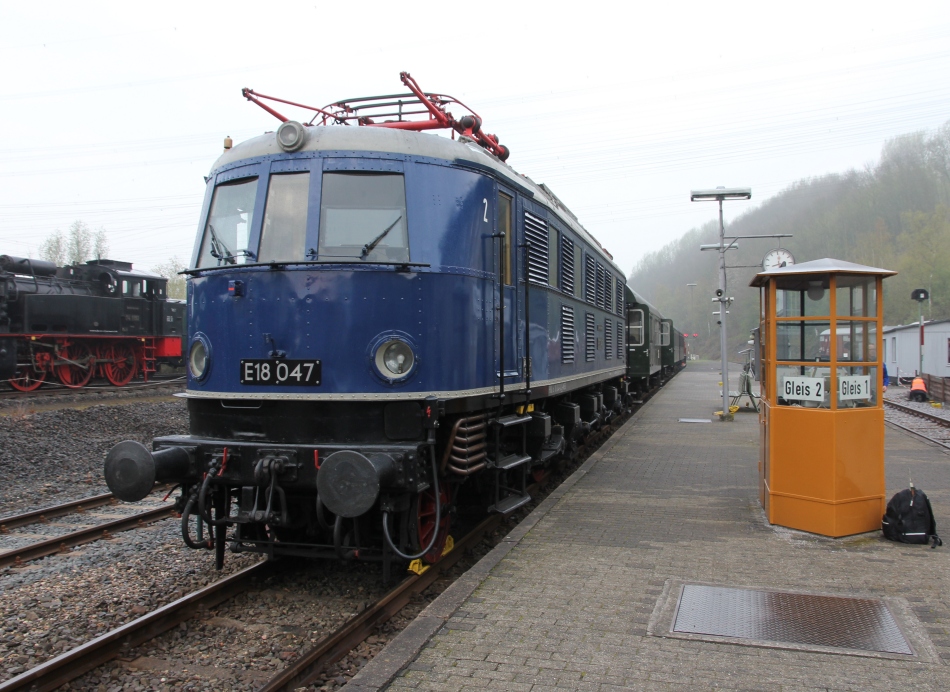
(821, 460)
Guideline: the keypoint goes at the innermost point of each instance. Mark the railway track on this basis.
(63, 542)
(53, 389)
(309, 665)
(930, 427)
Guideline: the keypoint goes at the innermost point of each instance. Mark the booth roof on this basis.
(822, 266)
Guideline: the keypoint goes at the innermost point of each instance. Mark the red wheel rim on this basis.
(27, 379)
(78, 367)
(121, 364)
(425, 522)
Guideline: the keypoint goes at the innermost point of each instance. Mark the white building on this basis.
(902, 349)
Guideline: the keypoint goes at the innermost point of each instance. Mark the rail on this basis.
(61, 544)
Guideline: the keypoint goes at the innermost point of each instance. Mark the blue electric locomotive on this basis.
(381, 323)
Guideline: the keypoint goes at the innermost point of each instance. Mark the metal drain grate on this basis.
(792, 618)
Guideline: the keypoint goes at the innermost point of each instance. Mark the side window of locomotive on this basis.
(504, 226)
(567, 265)
(229, 224)
(131, 289)
(578, 271)
(363, 217)
(283, 234)
(553, 264)
(635, 328)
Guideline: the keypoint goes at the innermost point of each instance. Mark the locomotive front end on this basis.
(384, 326)
(312, 410)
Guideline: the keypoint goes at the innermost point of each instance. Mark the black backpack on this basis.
(909, 519)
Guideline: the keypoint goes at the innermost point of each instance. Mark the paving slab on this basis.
(582, 595)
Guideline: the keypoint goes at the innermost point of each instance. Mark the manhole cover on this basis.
(792, 618)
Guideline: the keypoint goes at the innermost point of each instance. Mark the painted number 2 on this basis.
(485, 202)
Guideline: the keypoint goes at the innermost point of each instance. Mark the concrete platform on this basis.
(581, 596)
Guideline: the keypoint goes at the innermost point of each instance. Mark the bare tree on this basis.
(53, 249)
(176, 282)
(79, 243)
(100, 244)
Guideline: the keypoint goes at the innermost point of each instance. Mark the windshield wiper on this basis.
(368, 248)
(218, 249)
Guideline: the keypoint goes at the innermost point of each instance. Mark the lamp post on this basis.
(720, 194)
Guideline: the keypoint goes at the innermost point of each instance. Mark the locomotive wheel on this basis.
(27, 379)
(423, 522)
(78, 369)
(121, 364)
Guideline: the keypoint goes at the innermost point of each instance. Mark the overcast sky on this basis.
(111, 113)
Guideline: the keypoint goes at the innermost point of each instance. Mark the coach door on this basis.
(508, 337)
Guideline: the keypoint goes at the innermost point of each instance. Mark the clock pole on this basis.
(723, 303)
(720, 194)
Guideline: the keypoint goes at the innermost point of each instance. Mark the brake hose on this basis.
(438, 516)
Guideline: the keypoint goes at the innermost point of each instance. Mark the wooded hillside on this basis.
(894, 215)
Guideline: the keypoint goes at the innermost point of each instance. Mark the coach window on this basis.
(363, 217)
(635, 328)
(229, 223)
(504, 226)
(285, 218)
(664, 334)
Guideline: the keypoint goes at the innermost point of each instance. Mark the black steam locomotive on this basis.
(73, 323)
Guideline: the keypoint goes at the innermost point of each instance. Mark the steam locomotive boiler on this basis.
(383, 324)
(76, 322)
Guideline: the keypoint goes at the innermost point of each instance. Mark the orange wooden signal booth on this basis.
(821, 455)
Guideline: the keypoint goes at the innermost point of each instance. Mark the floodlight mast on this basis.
(720, 194)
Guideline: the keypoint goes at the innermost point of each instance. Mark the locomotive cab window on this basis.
(131, 289)
(229, 224)
(283, 234)
(363, 217)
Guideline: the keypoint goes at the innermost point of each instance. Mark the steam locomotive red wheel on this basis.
(121, 365)
(425, 526)
(76, 365)
(27, 379)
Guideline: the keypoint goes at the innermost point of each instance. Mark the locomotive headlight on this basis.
(198, 358)
(394, 358)
(291, 135)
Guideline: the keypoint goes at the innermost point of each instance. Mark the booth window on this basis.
(803, 340)
(856, 296)
(857, 387)
(802, 296)
(803, 385)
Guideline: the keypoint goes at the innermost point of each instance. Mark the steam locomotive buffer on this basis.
(74, 323)
(384, 326)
